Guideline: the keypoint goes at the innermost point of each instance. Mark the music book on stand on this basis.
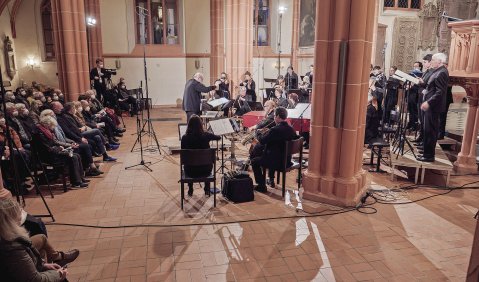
(221, 126)
(218, 102)
(301, 108)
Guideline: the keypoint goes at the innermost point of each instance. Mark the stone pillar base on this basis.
(335, 191)
(465, 165)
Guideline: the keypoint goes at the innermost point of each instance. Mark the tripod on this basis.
(146, 122)
(139, 140)
(400, 136)
(14, 149)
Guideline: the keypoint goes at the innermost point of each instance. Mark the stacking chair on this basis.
(291, 148)
(197, 157)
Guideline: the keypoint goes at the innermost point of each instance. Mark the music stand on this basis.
(222, 127)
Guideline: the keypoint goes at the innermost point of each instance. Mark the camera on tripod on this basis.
(109, 72)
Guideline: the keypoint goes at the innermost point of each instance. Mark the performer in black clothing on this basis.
(241, 103)
(192, 95)
(279, 98)
(377, 87)
(268, 121)
(196, 138)
(412, 99)
(310, 74)
(273, 152)
(291, 79)
(250, 86)
(97, 77)
(434, 104)
(391, 99)
(224, 88)
(422, 85)
(372, 121)
(443, 116)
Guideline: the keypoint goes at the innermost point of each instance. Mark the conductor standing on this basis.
(192, 95)
(434, 104)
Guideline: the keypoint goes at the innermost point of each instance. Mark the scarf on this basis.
(47, 132)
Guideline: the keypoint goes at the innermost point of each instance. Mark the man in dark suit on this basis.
(273, 153)
(434, 104)
(291, 79)
(310, 74)
(97, 77)
(426, 62)
(192, 95)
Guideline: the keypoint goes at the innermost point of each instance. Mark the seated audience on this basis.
(25, 119)
(196, 138)
(84, 150)
(126, 102)
(19, 258)
(83, 110)
(35, 110)
(22, 97)
(50, 150)
(14, 122)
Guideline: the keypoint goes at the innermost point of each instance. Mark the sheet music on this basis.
(221, 126)
(407, 76)
(183, 130)
(299, 109)
(218, 102)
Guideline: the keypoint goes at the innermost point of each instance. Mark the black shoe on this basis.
(95, 154)
(270, 182)
(92, 172)
(207, 192)
(425, 159)
(190, 192)
(121, 130)
(420, 151)
(261, 188)
(85, 180)
(113, 142)
(79, 185)
(119, 134)
(67, 257)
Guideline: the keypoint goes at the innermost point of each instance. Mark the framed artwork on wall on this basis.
(307, 23)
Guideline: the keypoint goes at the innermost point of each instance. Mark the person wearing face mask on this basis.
(14, 122)
(192, 95)
(250, 86)
(126, 102)
(224, 87)
(9, 97)
(412, 99)
(98, 79)
(25, 119)
(21, 97)
(426, 62)
(58, 93)
(85, 119)
(35, 109)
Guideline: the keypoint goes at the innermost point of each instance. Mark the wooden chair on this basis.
(197, 157)
(291, 148)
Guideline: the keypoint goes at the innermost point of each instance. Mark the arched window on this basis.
(47, 27)
(160, 25)
(403, 4)
(261, 23)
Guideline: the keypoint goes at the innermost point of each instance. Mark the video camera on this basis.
(109, 72)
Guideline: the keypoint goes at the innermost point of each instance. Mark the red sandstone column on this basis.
(335, 174)
(238, 38)
(70, 45)
(217, 60)
(466, 160)
(92, 9)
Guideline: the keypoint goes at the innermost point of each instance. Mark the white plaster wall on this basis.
(6, 31)
(166, 77)
(28, 44)
(117, 26)
(204, 67)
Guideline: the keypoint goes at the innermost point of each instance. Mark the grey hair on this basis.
(9, 105)
(48, 121)
(10, 214)
(198, 75)
(20, 106)
(441, 57)
(46, 113)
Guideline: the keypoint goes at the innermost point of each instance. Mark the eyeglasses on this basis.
(223, 78)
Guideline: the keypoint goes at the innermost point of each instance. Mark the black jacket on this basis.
(98, 83)
(71, 128)
(372, 124)
(192, 95)
(274, 140)
(291, 79)
(190, 141)
(436, 90)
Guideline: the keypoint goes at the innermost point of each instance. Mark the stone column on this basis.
(238, 38)
(335, 173)
(92, 9)
(466, 160)
(69, 31)
(217, 60)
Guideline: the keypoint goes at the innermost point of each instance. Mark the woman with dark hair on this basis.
(196, 138)
(250, 85)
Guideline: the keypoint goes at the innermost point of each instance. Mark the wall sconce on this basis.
(197, 64)
(280, 66)
(31, 62)
(90, 21)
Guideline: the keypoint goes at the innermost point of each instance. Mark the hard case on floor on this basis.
(238, 189)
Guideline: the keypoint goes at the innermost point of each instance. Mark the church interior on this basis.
(239, 140)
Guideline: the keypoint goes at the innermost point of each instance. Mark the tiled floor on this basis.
(424, 241)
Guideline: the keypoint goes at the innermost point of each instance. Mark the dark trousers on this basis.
(442, 123)
(97, 139)
(198, 171)
(84, 151)
(431, 130)
(190, 113)
(74, 166)
(421, 118)
(125, 105)
(256, 157)
(412, 109)
(389, 104)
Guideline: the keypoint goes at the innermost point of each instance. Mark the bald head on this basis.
(57, 107)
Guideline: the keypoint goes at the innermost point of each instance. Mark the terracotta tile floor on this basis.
(425, 241)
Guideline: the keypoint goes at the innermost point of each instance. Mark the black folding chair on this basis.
(197, 157)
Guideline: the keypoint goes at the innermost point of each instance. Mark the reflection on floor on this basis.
(428, 240)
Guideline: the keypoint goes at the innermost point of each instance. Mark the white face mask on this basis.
(123, 87)
(100, 65)
(93, 97)
(23, 93)
(55, 98)
(43, 99)
(79, 110)
(87, 109)
(15, 113)
(26, 112)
